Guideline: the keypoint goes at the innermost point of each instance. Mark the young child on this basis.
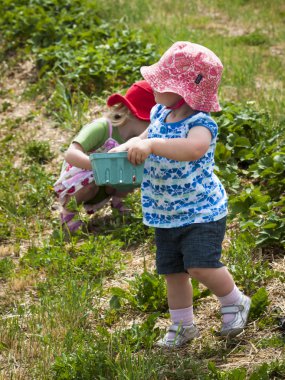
(128, 116)
(181, 196)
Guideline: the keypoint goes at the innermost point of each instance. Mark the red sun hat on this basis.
(139, 99)
(189, 70)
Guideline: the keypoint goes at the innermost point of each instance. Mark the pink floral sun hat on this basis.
(189, 70)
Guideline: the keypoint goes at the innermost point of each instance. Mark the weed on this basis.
(149, 292)
(6, 267)
(275, 341)
(216, 374)
(259, 303)
(100, 361)
(139, 336)
(94, 258)
(38, 151)
(146, 293)
(130, 229)
(266, 371)
(68, 108)
(249, 273)
(5, 106)
(252, 39)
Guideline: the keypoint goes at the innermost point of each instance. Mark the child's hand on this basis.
(139, 151)
(119, 148)
(124, 147)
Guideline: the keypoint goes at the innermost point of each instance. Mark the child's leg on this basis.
(86, 193)
(179, 294)
(179, 290)
(235, 305)
(218, 280)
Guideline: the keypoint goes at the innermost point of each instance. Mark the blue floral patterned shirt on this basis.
(179, 193)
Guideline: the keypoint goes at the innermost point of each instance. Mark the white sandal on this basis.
(183, 334)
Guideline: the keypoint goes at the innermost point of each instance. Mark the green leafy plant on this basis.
(265, 371)
(216, 374)
(252, 39)
(244, 263)
(94, 258)
(68, 108)
(147, 293)
(6, 267)
(39, 151)
(268, 371)
(130, 229)
(259, 303)
(71, 41)
(140, 336)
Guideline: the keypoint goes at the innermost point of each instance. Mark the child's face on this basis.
(168, 99)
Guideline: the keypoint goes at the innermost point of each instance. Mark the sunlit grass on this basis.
(64, 299)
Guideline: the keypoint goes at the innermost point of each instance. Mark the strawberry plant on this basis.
(72, 41)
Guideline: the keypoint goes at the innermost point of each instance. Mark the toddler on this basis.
(181, 196)
(128, 116)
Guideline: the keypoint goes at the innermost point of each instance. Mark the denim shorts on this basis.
(197, 245)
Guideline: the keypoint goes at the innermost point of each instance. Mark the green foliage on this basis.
(259, 303)
(216, 374)
(274, 341)
(5, 106)
(147, 292)
(35, 191)
(140, 336)
(261, 215)
(130, 229)
(68, 108)
(39, 151)
(197, 292)
(243, 131)
(248, 269)
(252, 39)
(250, 161)
(88, 362)
(94, 258)
(266, 371)
(270, 169)
(71, 41)
(107, 358)
(6, 267)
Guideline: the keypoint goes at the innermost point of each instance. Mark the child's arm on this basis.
(76, 156)
(181, 149)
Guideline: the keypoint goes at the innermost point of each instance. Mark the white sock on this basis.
(233, 298)
(182, 317)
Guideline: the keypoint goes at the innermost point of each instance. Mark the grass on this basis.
(91, 307)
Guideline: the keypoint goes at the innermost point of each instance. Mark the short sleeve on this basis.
(155, 111)
(93, 135)
(205, 120)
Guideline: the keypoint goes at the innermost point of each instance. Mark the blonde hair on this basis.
(119, 114)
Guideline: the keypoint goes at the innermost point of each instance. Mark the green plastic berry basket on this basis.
(114, 169)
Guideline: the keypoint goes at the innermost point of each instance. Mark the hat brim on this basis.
(150, 74)
(117, 98)
(154, 76)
